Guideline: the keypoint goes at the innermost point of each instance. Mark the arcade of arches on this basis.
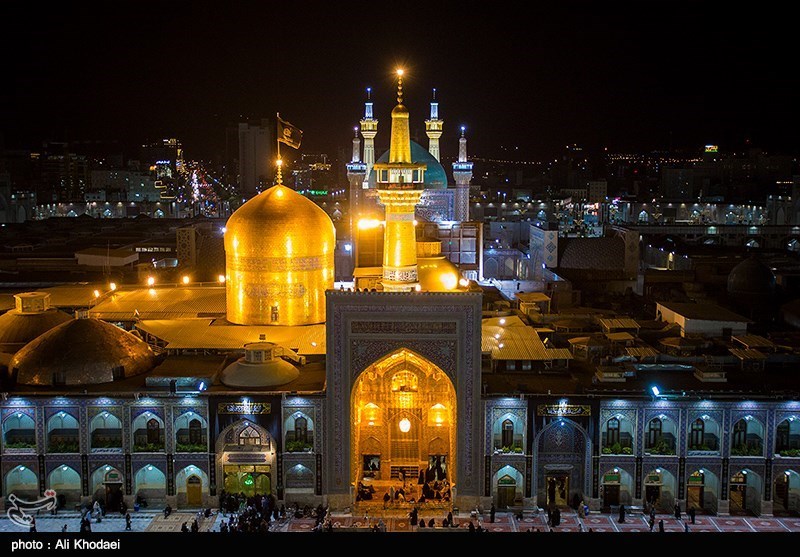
(404, 431)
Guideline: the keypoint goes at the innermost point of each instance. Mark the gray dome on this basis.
(81, 352)
(31, 317)
(751, 276)
(260, 367)
(18, 329)
(435, 176)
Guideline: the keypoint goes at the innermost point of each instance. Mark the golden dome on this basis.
(81, 352)
(435, 272)
(279, 250)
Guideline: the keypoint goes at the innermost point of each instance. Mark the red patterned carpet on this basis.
(505, 522)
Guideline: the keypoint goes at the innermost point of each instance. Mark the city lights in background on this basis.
(185, 279)
(151, 281)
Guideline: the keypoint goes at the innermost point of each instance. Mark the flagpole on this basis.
(277, 127)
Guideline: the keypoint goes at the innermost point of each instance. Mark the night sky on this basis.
(627, 76)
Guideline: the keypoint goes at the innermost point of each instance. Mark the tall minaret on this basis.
(356, 175)
(462, 173)
(400, 187)
(433, 128)
(369, 128)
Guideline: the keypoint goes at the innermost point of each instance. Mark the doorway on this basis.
(695, 492)
(652, 494)
(610, 495)
(194, 491)
(506, 492)
(738, 494)
(113, 496)
(557, 489)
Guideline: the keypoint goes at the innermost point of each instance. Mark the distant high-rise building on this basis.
(164, 157)
(63, 174)
(255, 153)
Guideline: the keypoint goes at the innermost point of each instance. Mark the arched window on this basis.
(195, 432)
(249, 436)
(782, 432)
(301, 430)
(740, 433)
(153, 431)
(612, 431)
(697, 436)
(508, 433)
(654, 429)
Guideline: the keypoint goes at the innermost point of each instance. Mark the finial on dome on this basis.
(399, 85)
(355, 129)
(279, 177)
(434, 93)
(369, 93)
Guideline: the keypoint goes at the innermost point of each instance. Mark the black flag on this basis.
(289, 134)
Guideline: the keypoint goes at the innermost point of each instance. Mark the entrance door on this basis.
(557, 489)
(653, 494)
(738, 499)
(506, 492)
(194, 491)
(113, 497)
(610, 495)
(782, 492)
(738, 493)
(694, 497)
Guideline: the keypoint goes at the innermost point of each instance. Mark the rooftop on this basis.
(703, 311)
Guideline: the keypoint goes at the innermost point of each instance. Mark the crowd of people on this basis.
(259, 514)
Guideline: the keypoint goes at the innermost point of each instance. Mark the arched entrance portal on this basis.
(403, 435)
(787, 493)
(194, 491)
(745, 493)
(246, 454)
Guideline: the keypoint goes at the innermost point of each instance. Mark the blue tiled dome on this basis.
(435, 177)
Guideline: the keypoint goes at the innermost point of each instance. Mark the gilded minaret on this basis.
(433, 128)
(369, 129)
(400, 186)
(462, 173)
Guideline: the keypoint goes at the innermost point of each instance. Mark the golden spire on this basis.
(400, 145)
(279, 176)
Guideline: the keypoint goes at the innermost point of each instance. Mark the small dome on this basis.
(81, 352)
(31, 317)
(435, 176)
(400, 110)
(279, 251)
(261, 366)
(435, 272)
(751, 276)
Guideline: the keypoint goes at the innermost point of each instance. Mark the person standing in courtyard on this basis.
(692, 514)
(492, 511)
(677, 511)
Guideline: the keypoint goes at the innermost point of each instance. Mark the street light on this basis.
(655, 390)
